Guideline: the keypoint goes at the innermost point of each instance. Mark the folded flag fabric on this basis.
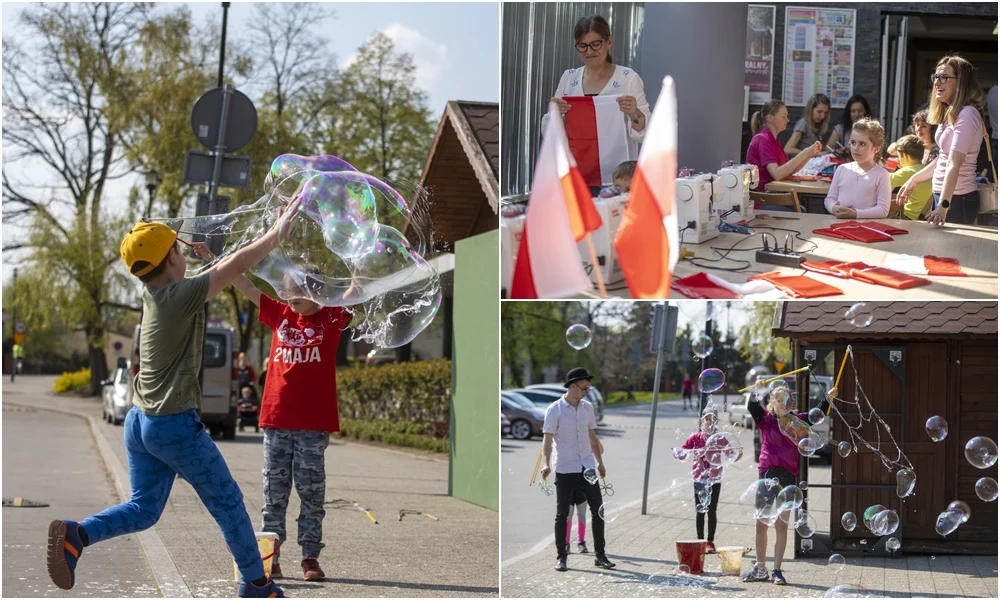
(703, 286)
(825, 267)
(888, 278)
(876, 225)
(560, 213)
(925, 265)
(798, 286)
(860, 233)
(598, 138)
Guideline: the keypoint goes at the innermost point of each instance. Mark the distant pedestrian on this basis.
(570, 426)
(244, 372)
(707, 477)
(687, 386)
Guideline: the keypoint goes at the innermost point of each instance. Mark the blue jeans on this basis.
(160, 448)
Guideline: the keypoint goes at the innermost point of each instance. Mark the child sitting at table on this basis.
(622, 175)
(861, 189)
(910, 150)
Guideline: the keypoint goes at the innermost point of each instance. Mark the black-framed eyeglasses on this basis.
(941, 77)
(581, 388)
(595, 46)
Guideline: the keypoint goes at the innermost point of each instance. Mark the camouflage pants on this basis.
(295, 455)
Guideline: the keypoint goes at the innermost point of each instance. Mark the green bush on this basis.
(77, 381)
(397, 433)
(415, 393)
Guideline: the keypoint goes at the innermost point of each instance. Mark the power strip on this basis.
(780, 258)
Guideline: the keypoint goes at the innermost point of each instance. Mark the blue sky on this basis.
(455, 47)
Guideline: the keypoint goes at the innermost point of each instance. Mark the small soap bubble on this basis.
(701, 346)
(948, 522)
(816, 416)
(578, 336)
(885, 523)
(981, 452)
(986, 489)
(892, 544)
(836, 562)
(590, 475)
(609, 511)
(859, 315)
(844, 449)
(937, 428)
(805, 525)
(683, 570)
(962, 508)
(803, 485)
(849, 521)
(711, 380)
(848, 591)
(906, 479)
(809, 446)
(790, 497)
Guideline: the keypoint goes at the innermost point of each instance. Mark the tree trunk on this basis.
(98, 361)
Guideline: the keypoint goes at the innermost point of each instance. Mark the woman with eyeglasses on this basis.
(955, 107)
(600, 76)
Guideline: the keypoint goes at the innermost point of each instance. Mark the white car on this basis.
(114, 394)
(738, 413)
(593, 396)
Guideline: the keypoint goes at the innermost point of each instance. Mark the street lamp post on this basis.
(152, 182)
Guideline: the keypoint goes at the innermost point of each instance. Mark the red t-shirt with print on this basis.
(301, 387)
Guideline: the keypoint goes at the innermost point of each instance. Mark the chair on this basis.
(776, 199)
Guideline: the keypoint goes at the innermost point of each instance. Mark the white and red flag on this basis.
(924, 265)
(560, 213)
(647, 244)
(598, 137)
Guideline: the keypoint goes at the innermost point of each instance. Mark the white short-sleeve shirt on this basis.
(570, 428)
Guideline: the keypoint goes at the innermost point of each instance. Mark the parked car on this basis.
(738, 413)
(526, 417)
(504, 425)
(114, 394)
(219, 393)
(594, 396)
(541, 397)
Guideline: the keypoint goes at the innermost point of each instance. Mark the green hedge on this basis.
(417, 392)
(397, 433)
(77, 381)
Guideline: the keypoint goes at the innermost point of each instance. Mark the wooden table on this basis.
(974, 247)
(813, 188)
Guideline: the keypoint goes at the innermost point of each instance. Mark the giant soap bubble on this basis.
(354, 241)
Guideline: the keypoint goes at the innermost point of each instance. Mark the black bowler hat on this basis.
(577, 374)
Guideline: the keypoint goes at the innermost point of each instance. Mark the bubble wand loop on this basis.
(782, 376)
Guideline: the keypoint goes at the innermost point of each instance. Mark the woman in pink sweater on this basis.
(861, 189)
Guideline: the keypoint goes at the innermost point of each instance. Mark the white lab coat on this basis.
(625, 82)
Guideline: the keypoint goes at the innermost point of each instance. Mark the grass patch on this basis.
(408, 434)
(621, 398)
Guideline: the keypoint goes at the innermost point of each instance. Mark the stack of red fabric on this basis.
(864, 272)
(798, 286)
(868, 232)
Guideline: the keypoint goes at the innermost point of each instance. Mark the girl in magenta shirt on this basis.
(955, 107)
(766, 151)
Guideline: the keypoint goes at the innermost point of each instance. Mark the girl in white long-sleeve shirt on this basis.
(599, 76)
(861, 189)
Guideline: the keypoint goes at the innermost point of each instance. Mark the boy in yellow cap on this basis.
(165, 437)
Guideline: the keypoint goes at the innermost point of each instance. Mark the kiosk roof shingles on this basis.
(797, 319)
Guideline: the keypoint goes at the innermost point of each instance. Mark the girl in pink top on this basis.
(766, 151)
(861, 189)
(955, 107)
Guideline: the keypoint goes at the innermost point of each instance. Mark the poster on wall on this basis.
(759, 63)
(819, 54)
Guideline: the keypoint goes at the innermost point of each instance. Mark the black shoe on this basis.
(561, 565)
(581, 546)
(603, 562)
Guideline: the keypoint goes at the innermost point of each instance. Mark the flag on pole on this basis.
(598, 137)
(646, 243)
(560, 213)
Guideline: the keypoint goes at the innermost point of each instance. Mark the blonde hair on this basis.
(773, 401)
(873, 129)
(815, 100)
(759, 118)
(968, 92)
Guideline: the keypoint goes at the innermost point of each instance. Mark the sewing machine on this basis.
(737, 181)
(696, 198)
(611, 210)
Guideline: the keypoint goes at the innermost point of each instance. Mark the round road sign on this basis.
(241, 123)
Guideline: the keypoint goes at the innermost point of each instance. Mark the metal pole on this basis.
(220, 149)
(702, 396)
(728, 365)
(13, 330)
(222, 51)
(656, 396)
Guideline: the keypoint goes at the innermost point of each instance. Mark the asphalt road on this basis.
(527, 514)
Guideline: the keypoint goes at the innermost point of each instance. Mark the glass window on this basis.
(215, 350)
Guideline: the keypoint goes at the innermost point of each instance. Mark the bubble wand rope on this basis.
(836, 384)
(782, 376)
(534, 473)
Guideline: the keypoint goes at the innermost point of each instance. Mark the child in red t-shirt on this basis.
(298, 411)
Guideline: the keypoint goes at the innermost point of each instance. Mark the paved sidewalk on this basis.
(456, 556)
(644, 550)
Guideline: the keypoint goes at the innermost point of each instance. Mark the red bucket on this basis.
(692, 554)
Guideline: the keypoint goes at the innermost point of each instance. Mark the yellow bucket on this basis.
(268, 545)
(731, 558)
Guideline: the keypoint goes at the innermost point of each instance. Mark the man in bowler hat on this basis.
(570, 424)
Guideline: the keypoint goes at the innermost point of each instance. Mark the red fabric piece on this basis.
(863, 234)
(845, 268)
(830, 233)
(581, 130)
(798, 286)
(824, 267)
(877, 225)
(888, 278)
(941, 265)
(301, 387)
(700, 287)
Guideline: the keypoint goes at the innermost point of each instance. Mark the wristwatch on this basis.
(945, 204)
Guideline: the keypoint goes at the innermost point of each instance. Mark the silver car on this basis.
(526, 417)
(593, 396)
(114, 394)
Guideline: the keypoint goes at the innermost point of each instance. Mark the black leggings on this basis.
(964, 208)
(712, 506)
(566, 486)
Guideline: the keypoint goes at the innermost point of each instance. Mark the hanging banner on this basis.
(819, 54)
(758, 67)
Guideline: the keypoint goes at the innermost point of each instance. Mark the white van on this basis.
(219, 392)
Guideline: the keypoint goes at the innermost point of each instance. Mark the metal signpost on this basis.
(663, 334)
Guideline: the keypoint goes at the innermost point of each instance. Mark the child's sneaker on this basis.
(311, 570)
(270, 590)
(64, 550)
(709, 548)
(581, 546)
(778, 578)
(275, 569)
(756, 573)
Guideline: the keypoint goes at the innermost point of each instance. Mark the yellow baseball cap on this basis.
(147, 243)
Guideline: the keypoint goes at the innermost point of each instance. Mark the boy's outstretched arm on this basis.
(226, 272)
(242, 283)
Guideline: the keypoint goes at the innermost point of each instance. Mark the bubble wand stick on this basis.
(368, 514)
(782, 376)
(534, 473)
(836, 384)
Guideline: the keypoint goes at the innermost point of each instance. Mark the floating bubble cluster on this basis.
(578, 336)
(345, 245)
(869, 515)
(937, 428)
(981, 452)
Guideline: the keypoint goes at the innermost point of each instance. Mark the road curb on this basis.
(168, 579)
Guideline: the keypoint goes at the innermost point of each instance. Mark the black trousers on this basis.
(566, 485)
(964, 208)
(700, 517)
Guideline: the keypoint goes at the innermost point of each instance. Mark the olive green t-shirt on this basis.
(170, 347)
